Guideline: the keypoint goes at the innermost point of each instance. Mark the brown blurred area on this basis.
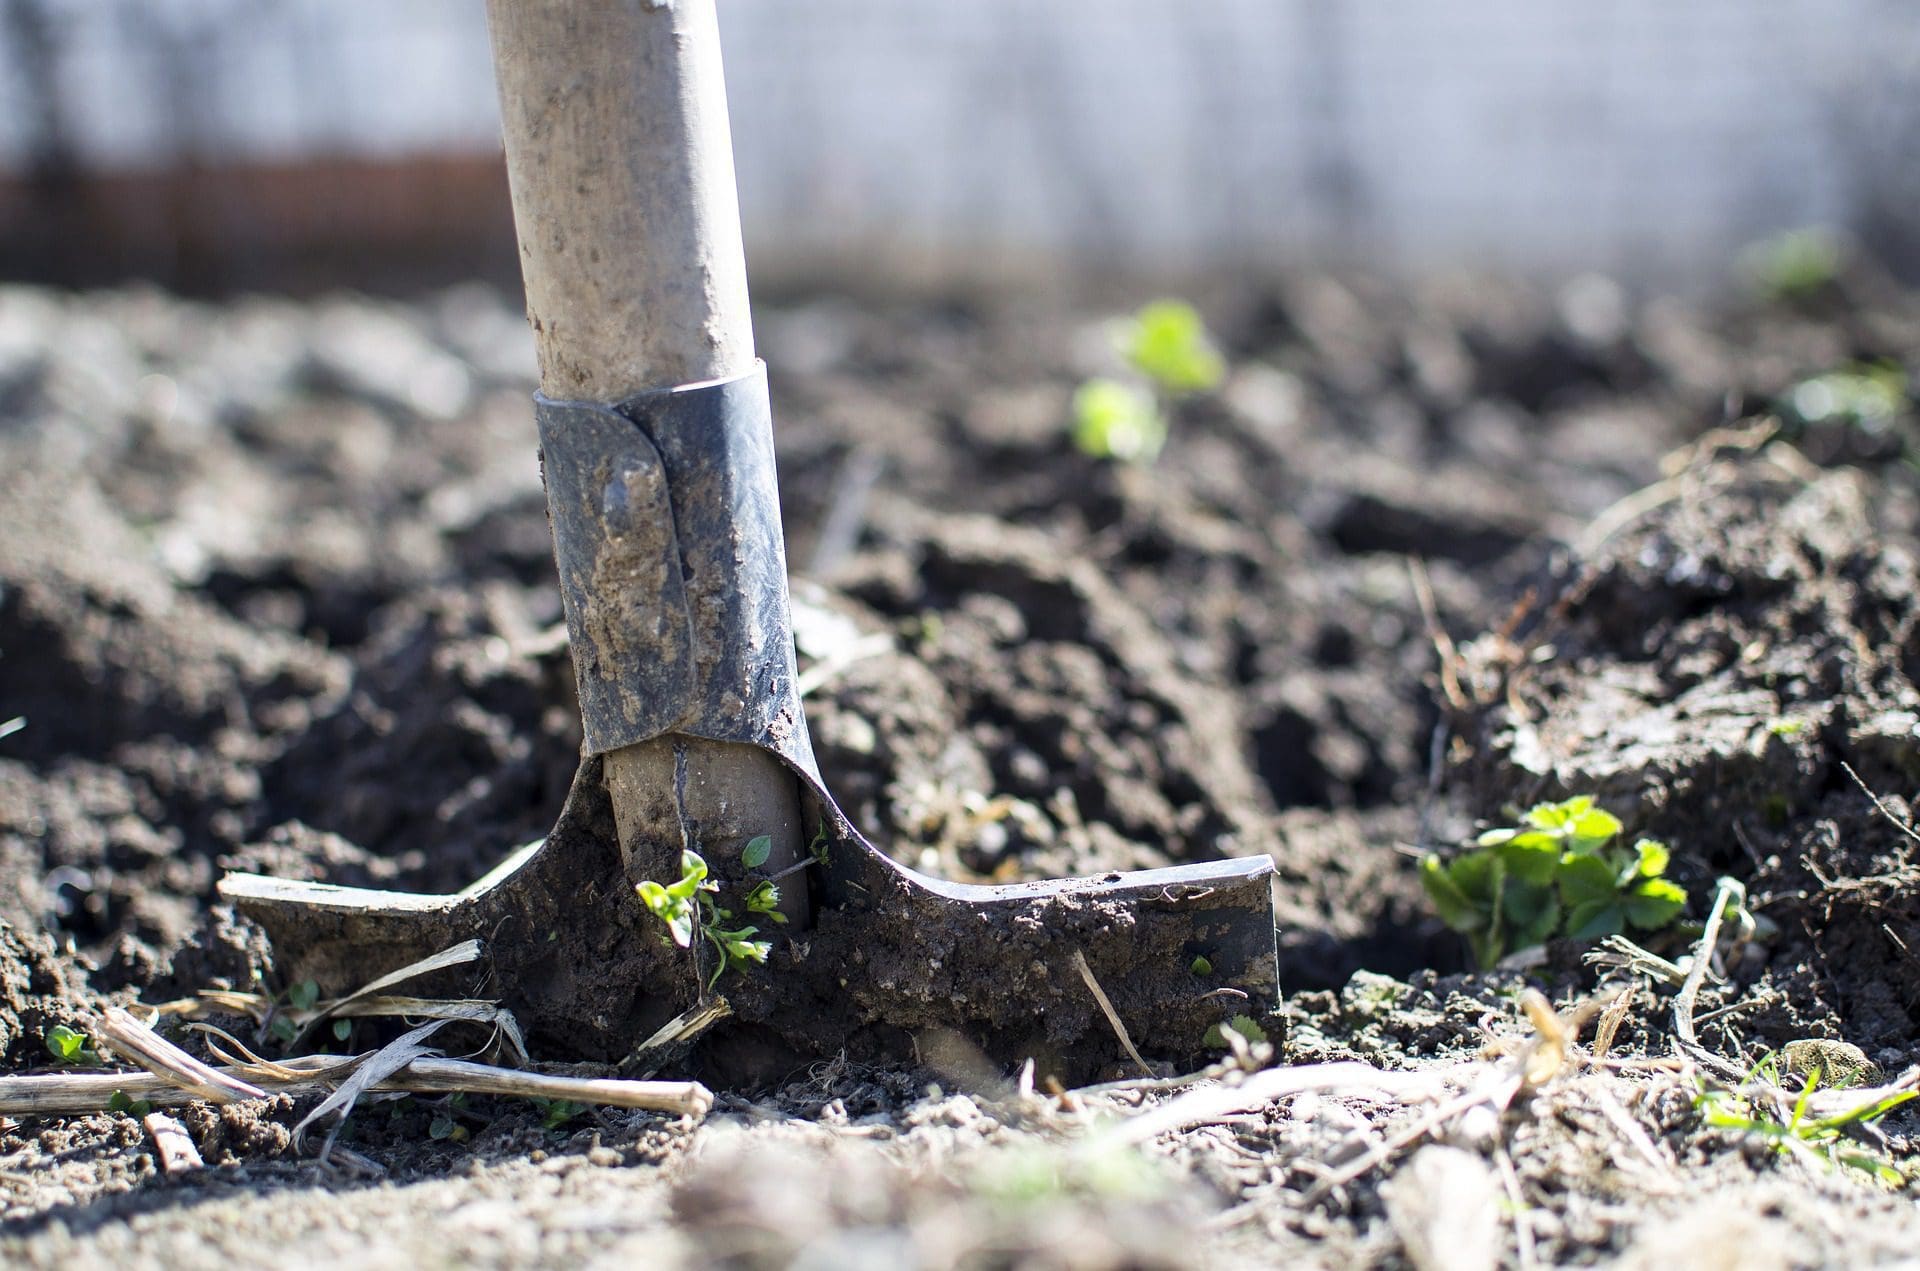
(382, 225)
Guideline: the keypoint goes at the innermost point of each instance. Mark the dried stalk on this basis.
(71, 1094)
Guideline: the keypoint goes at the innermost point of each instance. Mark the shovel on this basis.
(657, 452)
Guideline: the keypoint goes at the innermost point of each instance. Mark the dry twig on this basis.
(1106, 1008)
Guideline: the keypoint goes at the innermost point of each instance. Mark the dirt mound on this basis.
(1734, 673)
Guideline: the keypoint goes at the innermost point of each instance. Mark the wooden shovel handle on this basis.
(621, 165)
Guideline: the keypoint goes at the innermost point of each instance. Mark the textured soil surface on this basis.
(277, 595)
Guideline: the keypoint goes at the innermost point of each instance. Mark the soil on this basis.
(277, 595)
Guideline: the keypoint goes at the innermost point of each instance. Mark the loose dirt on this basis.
(276, 594)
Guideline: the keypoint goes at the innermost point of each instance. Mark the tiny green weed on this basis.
(70, 1046)
(1796, 263)
(1869, 396)
(1827, 1140)
(1165, 344)
(1556, 873)
(688, 905)
(555, 1113)
(120, 1101)
(1115, 420)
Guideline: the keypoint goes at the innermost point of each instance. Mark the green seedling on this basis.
(1828, 1140)
(120, 1101)
(1166, 345)
(1167, 342)
(444, 1128)
(1558, 872)
(70, 1046)
(1795, 264)
(1245, 1025)
(687, 906)
(1869, 396)
(1113, 420)
(555, 1113)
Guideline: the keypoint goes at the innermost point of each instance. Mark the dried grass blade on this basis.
(375, 1068)
(1113, 1016)
(139, 1043)
(460, 954)
(1213, 1102)
(473, 1010)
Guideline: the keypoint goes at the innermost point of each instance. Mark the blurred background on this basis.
(219, 144)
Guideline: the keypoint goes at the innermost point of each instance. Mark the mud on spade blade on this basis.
(674, 495)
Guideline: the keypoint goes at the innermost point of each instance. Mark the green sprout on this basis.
(1796, 263)
(1869, 396)
(70, 1046)
(444, 1128)
(1113, 420)
(1167, 342)
(687, 905)
(555, 1113)
(1558, 872)
(1245, 1025)
(120, 1101)
(1828, 1140)
(1166, 345)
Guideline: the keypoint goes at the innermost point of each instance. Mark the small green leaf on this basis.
(756, 852)
(342, 1029)
(557, 1112)
(1532, 858)
(120, 1101)
(1594, 919)
(442, 1126)
(1245, 1025)
(1112, 420)
(302, 996)
(1587, 880)
(748, 950)
(765, 899)
(1478, 875)
(1652, 858)
(1167, 342)
(1449, 901)
(1594, 827)
(67, 1045)
(1200, 965)
(1556, 817)
(283, 1030)
(1654, 903)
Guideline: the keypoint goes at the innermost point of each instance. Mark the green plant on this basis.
(120, 1101)
(688, 905)
(1796, 263)
(555, 1113)
(1245, 1025)
(1866, 395)
(301, 997)
(1558, 872)
(1798, 1131)
(70, 1046)
(444, 1128)
(1112, 420)
(1166, 344)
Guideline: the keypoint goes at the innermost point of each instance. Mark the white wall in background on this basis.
(1646, 135)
